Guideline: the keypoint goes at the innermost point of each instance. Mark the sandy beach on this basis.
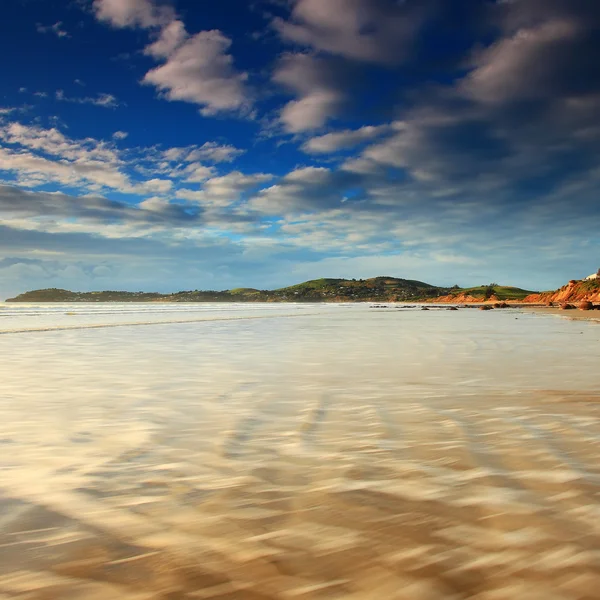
(585, 315)
(345, 453)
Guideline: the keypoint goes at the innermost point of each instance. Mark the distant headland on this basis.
(376, 289)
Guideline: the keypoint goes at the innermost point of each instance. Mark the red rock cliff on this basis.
(574, 291)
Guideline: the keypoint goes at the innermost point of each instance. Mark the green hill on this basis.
(243, 291)
(379, 289)
(501, 292)
(375, 289)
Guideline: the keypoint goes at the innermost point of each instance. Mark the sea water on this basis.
(297, 451)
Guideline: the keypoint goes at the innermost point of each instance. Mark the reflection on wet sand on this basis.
(236, 461)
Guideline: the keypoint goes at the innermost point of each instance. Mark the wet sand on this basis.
(373, 456)
(585, 315)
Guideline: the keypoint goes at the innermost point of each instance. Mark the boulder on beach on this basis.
(486, 307)
(424, 308)
(501, 305)
(566, 306)
(586, 305)
(452, 308)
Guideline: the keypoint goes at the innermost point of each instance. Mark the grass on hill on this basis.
(313, 284)
(501, 292)
(327, 283)
(244, 291)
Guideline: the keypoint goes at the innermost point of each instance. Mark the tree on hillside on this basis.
(489, 290)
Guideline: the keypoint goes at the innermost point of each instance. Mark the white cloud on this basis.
(377, 31)
(133, 13)
(33, 171)
(315, 82)
(197, 172)
(54, 142)
(103, 100)
(154, 203)
(171, 37)
(303, 189)
(214, 152)
(120, 135)
(201, 71)
(38, 156)
(341, 140)
(521, 66)
(155, 186)
(197, 68)
(225, 190)
(56, 29)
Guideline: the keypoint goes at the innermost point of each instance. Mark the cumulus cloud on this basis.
(201, 71)
(436, 147)
(377, 31)
(37, 156)
(196, 172)
(214, 152)
(305, 189)
(195, 68)
(342, 140)
(133, 13)
(54, 142)
(225, 190)
(33, 170)
(317, 83)
(171, 37)
(531, 63)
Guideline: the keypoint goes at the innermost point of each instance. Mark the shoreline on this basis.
(575, 314)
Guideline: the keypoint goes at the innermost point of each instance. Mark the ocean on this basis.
(264, 451)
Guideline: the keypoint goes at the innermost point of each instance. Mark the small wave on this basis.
(140, 323)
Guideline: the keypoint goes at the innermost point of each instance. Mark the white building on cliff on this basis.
(593, 276)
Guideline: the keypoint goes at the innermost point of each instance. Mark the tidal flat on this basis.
(302, 451)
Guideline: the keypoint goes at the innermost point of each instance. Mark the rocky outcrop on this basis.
(457, 299)
(575, 291)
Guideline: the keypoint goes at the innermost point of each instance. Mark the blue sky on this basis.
(167, 145)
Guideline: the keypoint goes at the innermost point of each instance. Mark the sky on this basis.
(166, 145)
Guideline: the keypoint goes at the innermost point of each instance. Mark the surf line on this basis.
(140, 323)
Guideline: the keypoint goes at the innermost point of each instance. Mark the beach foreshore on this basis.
(583, 315)
(347, 454)
(542, 309)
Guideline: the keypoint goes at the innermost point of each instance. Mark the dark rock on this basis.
(586, 305)
(566, 306)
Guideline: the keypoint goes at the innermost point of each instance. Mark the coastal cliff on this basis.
(574, 291)
(481, 294)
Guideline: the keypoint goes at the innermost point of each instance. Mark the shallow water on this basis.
(297, 451)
